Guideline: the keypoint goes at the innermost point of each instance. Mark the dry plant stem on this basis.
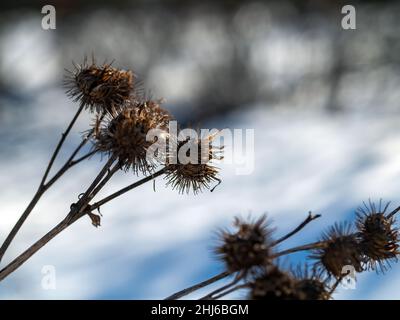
(32, 204)
(393, 212)
(14, 265)
(19, 223)
(69, 164)
(238, 287)
(59, 145)
(77, 211)
(335, 286)
(128, 188)
(65, 168)
(94, 188)
(71, 161)
(184, 292)
(310, 218)
(103, 182)
(82, 158)
(211, 295)
(43, 186)
(310, 246)
(198, 286)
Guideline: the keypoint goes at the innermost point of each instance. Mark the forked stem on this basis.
(211, 295)
(59, 145)
(128, 188)
(43, 186)
(309, 218)
(76, 212)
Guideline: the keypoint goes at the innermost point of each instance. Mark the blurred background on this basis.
(323, 102)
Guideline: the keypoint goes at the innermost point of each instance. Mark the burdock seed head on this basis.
(124, 134)
(312, 289)
(100, 88)
(274, 284)
(249, 246)
(193, 175)
(311, 285)
(341, 249)
(379, 239)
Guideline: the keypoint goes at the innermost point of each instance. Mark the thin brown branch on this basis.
(310, 246)
(335, 285)
(84, 157)
(309, 218)
(103, 182)
(70, 163)
(211, 295)
(16, 263)
(198, 286)
(20, 222)
(393, 212)
(128, 188)
(43, 186)
(59, 145)
(184, 292)
(235, 288)
(77, 211)
(88, 195)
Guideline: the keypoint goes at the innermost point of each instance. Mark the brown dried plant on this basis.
(122, 120)
(251, 258)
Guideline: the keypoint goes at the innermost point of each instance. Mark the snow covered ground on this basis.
(151, 243)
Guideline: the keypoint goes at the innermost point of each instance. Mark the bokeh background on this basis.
(323, 101)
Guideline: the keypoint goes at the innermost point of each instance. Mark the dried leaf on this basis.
(95, 219)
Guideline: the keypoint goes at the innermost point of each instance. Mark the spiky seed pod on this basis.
(274, 284)
(312, 289)
(100, 88)
(379, 239)
(311, 285)
(248, 247)
(341, 249)
(155, 110)
(125, 135)
(196, 174)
